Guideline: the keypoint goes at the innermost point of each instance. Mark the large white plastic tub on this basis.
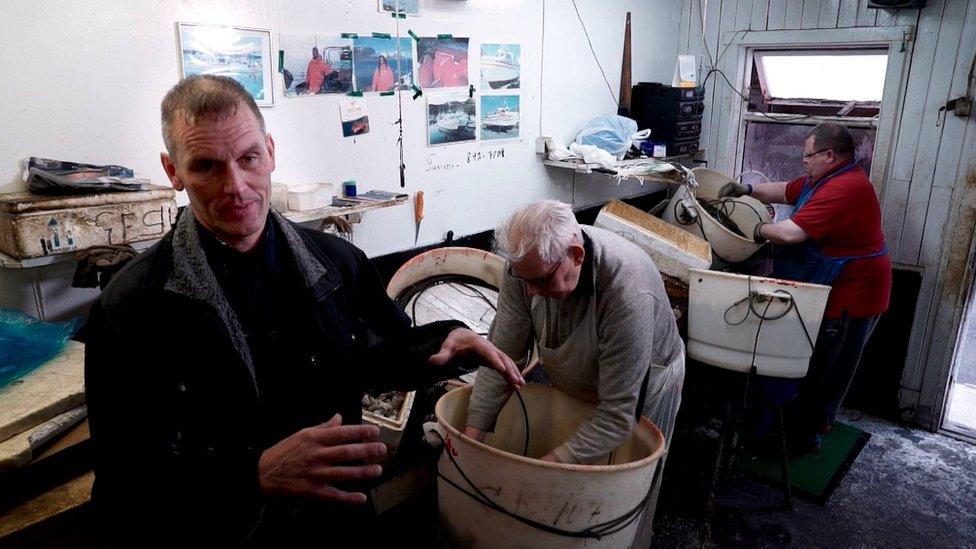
(745, 213)
(724, 311)
(568, 497)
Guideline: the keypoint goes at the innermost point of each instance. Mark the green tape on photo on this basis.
(381, 35)
(354, 93)
(350, 35)
(281, 61)
(445, 37)
(391, 92)
(413, 35)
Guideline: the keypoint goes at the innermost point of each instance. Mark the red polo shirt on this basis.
(844, 219)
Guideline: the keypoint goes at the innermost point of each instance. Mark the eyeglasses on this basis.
(808, 155)
(539, 281)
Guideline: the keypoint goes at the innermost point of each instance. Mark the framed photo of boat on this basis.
(240, 53)
(501, 66)
(452, 117)
(499, 117)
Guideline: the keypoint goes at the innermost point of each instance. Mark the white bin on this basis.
(568, 497)
(724, 311)
(746, 213)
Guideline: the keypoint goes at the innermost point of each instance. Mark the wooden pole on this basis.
(623, 108)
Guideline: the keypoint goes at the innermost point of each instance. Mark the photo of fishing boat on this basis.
(499, 117)
(500, 66)
(451, 118)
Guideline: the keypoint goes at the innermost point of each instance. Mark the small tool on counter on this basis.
(418, 214)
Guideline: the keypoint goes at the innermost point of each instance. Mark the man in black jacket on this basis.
(225, 367)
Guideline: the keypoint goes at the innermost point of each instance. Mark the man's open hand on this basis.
(464, 342)
(310, 461)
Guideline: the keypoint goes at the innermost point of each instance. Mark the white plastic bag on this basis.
(611, 133)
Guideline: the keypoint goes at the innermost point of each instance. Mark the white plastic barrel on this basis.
(745, 213)
(570, 498)
(724, 314)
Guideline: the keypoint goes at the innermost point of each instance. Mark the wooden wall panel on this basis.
(794, 13)
(829, 11)
(760, 12)
(932, 127)
(847, 14)
(710, 48)
(865, 17)
(811, 14)
(907, 141)
(776, 19)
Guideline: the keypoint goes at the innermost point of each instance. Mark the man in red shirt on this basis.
(316, 71)
(833, 237)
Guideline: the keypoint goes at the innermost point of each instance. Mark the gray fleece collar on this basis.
(192, 277)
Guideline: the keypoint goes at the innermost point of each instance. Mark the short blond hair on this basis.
(203, 95)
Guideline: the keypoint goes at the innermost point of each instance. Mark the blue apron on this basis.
(804, 262)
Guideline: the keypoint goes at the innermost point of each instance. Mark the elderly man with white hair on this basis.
(595, 304)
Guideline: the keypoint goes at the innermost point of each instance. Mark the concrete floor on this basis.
(908, 488)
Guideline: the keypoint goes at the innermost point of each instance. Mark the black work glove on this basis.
(734, 189)
(757, 236)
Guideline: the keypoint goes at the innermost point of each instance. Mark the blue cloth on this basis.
(26, 343)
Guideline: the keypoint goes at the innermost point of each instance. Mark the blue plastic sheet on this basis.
(26, 343)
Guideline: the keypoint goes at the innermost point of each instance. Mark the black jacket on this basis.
(172, 396)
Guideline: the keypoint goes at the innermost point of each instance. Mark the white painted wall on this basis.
(84, 82)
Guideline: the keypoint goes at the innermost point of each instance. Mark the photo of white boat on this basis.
(499, 117)
(500, 66)
(451, 118)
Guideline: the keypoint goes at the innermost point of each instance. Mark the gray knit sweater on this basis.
(635, 329)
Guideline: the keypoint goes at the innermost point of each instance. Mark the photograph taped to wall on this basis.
(499, 117)
(443, 62)
(383, 64)
(501, 66)
(240, 53)
(315, 64)
(407, 7)
(352, 112)
(451, 118)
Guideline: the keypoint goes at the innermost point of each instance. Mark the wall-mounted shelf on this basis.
(543, 144)
(353, 210)
(8, 262)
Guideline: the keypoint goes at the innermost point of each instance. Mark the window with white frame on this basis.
(793, 89)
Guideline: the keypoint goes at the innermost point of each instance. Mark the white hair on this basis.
(546, 226)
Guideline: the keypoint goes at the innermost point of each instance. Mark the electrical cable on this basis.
(542, 65)
(696, 218)
(593, 51)
(525, 416)
(403, 299)
(751, 298)
(714, 68)
(399, 123)
(594, 532)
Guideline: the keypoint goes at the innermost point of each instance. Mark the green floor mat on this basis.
(813, 476)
